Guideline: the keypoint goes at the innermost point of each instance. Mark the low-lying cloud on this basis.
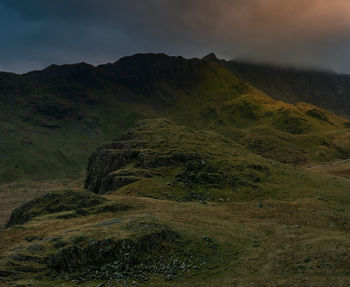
(37, 33)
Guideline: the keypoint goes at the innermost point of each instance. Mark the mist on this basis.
(37, 33)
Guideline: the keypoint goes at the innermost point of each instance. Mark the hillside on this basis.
(160, 159)
(324, 89)
(52, 119)
(185, 182)
(181, 207)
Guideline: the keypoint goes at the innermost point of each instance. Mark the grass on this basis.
(58, 118)
(296, 235)
(183, 164)
(262, 243)
(216, 173)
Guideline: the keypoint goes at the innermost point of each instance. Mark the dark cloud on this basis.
(36, 33)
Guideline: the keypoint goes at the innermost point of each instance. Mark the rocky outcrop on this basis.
(163, 150)
(53, 202)
(155, 250)
(93, 253)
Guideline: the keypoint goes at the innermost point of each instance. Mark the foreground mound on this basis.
(136, 249)
(161, 159)
(183, 158)
(53, 202)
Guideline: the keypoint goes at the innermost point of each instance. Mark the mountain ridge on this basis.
(53, 119)
(325, 89)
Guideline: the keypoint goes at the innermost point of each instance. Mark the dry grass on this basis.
(341, 170)
(272, 249)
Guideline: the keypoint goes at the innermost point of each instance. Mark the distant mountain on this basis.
(52, 120)
(324, 89)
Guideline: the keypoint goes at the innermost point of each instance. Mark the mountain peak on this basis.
(211, 57)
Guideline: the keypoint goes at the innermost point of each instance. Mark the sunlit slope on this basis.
(323, 88)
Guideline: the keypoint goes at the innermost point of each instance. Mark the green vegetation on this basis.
(53, 202)
(52, 120)
(164, 160)
(187, 181)
(182, 207)
(325, 89)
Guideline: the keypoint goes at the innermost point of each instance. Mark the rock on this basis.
(255, 243)
(109, 222)
(82, 211)
(210, 242)
(22, 257)
(112, 208)
(53, 239)
(206, 238)
(32, 238)
(35, 248)
(59, 244)
(101, 253)
(169, 277)
(153, 146)
(79, 239)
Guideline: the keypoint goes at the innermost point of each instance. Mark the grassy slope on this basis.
(263, 243)
(171, 161)
(289, 133)
(321, 88)
(299, 237)
(47, 132)
(51, 120)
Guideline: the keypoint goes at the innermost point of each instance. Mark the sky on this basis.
(306, 33)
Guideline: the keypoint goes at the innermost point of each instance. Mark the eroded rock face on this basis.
(164, 150)
(53, 202)
(92, 253)
(154, 250)
(148, 248)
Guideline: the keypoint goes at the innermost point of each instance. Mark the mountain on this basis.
(51, 120)
(324, 89)
(193, 177)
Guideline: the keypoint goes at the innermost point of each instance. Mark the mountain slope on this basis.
(51, 120)
(324, 89)
(160, 159)
(184, 208)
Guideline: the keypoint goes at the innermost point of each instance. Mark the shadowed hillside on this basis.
(324, 89)
(51, 120)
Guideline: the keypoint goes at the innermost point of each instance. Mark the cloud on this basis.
(37, 33)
